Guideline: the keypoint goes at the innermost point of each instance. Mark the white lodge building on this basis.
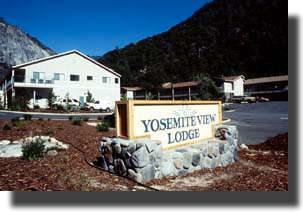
(70, 73)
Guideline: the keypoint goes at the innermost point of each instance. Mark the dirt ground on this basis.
(262, 167)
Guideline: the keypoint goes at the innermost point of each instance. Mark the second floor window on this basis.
(74, 77)
(104, 79)
(38, 75)
(89, 77)
(116, 80)
(59, 76)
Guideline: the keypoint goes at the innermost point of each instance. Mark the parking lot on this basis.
(258, 121)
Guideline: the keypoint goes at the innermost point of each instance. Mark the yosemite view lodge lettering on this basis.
(156, 125)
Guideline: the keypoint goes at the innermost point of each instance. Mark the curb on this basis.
(54, 114)
(227, 120)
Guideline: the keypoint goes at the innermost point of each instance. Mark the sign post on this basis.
(174, 123)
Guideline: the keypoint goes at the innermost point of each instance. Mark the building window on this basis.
(74, 77)
(104, 79)
(116, 80)
(232, 86)
(38, 75)
(59, 76)
(89, 77)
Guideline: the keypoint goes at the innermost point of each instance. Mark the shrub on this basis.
(70, 118)
(111, 120)
(86, 119)
(48, 131)
(77, 121)
(60, 127)
(7, 127)
(58, 107)
(48, 119)
(33, 150)
(21, 125)
(103, 127)
(100, 118)
(27, 117)
(15, 121)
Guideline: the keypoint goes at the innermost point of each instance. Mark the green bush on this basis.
(86, 119)
(103, 127)
(21, 125)
(33, 150)
(15, 121)
(7, 127)
(70, 118)
(58, 107)
(27, 117)
(77, 121)
(111, 120)
(60, 127)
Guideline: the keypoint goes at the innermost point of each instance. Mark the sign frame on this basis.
(125, 117)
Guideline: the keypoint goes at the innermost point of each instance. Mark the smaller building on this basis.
(274, 88)
(233, 86)
(230, 86)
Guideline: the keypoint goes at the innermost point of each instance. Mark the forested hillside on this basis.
(225, 37)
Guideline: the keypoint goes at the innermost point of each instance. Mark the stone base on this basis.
(144, 160)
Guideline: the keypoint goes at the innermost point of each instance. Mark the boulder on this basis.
(147, 173)
(131, 148)
(117, 149)
(140, 158)
(196, 159)
(52, 153)
(178, 163)
(134, 176)
(167, 169)
(4, 142)
(150, 145)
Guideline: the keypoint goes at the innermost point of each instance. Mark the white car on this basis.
(71, 102)
(100, 105)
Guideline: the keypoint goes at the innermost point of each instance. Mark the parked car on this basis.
(63, 102)
(100, 105)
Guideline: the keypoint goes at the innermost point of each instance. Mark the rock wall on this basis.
(143, 160)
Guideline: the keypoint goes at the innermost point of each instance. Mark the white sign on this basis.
(176, 125)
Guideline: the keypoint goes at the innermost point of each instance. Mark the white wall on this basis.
(77, 65)
(227, 86)
(239, 87)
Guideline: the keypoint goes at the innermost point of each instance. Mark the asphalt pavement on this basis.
(255, 122)
(258, 121)
(58, 116)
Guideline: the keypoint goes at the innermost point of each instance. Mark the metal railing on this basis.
(23, 79)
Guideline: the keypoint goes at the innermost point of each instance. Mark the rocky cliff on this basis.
(17, 46)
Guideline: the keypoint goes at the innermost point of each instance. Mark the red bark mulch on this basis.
(264, 167)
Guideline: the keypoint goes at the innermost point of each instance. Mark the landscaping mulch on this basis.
(263, 167)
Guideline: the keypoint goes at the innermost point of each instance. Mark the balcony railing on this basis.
(22, 79)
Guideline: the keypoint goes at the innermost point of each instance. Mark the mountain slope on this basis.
(18, 47)
(225, 37)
